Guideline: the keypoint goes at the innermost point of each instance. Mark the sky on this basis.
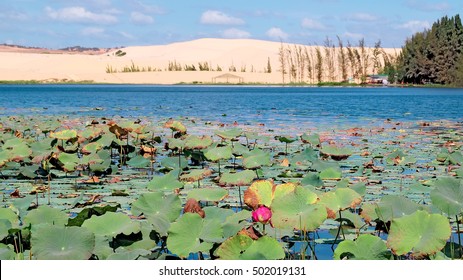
(115, 23)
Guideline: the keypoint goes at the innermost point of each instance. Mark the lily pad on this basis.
(339, 200)
(420, 233)
(190, 235)
(166, 182)
(365, 247)
(50, 242)
(242, 178)
(218, 153)
(242, 247)
(111, 224)
(139, 162)
(256, 159)
(208, 194)
(45, 214)
(448, 195)
(394, 206)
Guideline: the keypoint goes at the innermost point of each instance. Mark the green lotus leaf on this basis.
(365, 247)
(186, 234)
(336, 153)
(312, 179)
(339, 200)
(312, 139)
(229, 134)
(447, 195)
(106, 139)
(236, 222)
(242, 178)
(395, 157)
(208, 194)
(42, 147)
(394, 206)
(328, 170)
(351, 219)
(256, 159)
(195, 175)
(239, 149)
(139, 162)
(175, 143)
(15, 149)
(29, 171)
(6, 252)
(286, 139)
(175, 126)
(242, 247)
(92, 147)
(196, 142)
(69, 161)
(218, 153)
(8, 214)
(88, 212)
(160, 209)
(50, 242)
(64, 134)
(5, 226)
(45, 214)
(420, 233)
(128, 255)
(166, 182)
(174, 162)
(111, 224)
(297, 210)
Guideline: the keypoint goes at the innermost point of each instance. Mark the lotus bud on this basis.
(262, 214)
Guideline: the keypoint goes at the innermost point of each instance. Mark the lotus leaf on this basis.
(6, 252)
(208, 194)
(166, 182)
(420, 233)
(448, 195)
(218, 153)
(365, 247)
(128, 255)
(15, 150)
(111, 224)
(8, 214)
(50, 242)
(196, 142)
(196, 175)
(29, 171)
(312, 179)
(64, 134)
(68, 161)
(242, 178)
(256, 159)
(242, 247)
(175, 143)
(160, 209)
(239, 149)
(339, 200)
(297, 209)
(313, 139)
(336, 153)
(5, 226)
(229, 134)
(139, 162)
(175, 126)
(259, 193)
(174, 162)
(44, 214)
(234, 223)
(88, 212)
(92, 147)
(186, 233)
(393, 206)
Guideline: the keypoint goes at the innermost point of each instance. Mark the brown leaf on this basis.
(250, 232)
(284, 162)
(16, 194)
(192, 206)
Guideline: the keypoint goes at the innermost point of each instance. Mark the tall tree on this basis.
(342, 59)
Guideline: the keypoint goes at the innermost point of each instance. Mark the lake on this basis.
(242, 104)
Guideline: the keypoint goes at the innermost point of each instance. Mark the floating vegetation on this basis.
(121, 188)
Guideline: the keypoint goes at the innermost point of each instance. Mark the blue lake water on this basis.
(241, 104)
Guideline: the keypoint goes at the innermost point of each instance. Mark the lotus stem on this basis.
(459, 238)
(49, 189)
(219, 166)
(239, 194)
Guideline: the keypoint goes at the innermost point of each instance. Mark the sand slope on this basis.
(248, 57)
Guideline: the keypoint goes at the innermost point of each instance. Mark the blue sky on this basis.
(111, 23)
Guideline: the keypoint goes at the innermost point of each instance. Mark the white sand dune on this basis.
(248, 57)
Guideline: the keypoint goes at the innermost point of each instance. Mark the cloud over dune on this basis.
(79, 14)
(219, 18)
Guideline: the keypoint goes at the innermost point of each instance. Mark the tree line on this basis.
(434, 55)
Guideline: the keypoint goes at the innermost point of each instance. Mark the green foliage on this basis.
(434, 55)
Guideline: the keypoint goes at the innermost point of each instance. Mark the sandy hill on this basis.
(222, 60)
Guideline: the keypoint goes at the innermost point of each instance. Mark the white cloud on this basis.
(234, 33)
(276, 33)
(363, 17)
(415, 25)
(141, 18)
(79, 14)
(93, 31)
(428, 7)
(313, 24)
(217, 17)
(127, 35)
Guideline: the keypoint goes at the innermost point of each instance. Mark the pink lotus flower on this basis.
(262, 214)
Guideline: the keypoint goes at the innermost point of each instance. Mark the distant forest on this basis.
(434, 56)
